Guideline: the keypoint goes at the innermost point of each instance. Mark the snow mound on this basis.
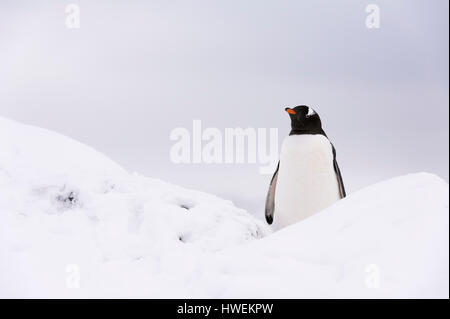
(75, 224)
(389, 240)
(60, 198)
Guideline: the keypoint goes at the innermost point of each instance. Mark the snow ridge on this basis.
(73, 223)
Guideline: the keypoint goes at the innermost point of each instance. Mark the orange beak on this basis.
(290, 111)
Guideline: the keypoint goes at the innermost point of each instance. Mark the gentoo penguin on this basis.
(307, 178)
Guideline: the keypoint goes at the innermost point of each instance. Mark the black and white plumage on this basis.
(307, 178)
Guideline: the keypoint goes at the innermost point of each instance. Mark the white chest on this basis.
(307, 181)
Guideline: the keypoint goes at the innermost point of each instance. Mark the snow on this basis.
(75, 224)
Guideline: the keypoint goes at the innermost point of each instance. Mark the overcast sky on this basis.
(135, 70)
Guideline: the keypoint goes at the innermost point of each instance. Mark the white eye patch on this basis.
(310, 112)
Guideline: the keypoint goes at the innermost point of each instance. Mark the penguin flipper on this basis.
(338, 174)
(270, 199)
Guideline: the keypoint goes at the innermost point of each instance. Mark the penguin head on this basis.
(304, 120)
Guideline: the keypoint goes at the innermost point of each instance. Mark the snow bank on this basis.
(63, 203)
(75, 224)
(389, 240)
